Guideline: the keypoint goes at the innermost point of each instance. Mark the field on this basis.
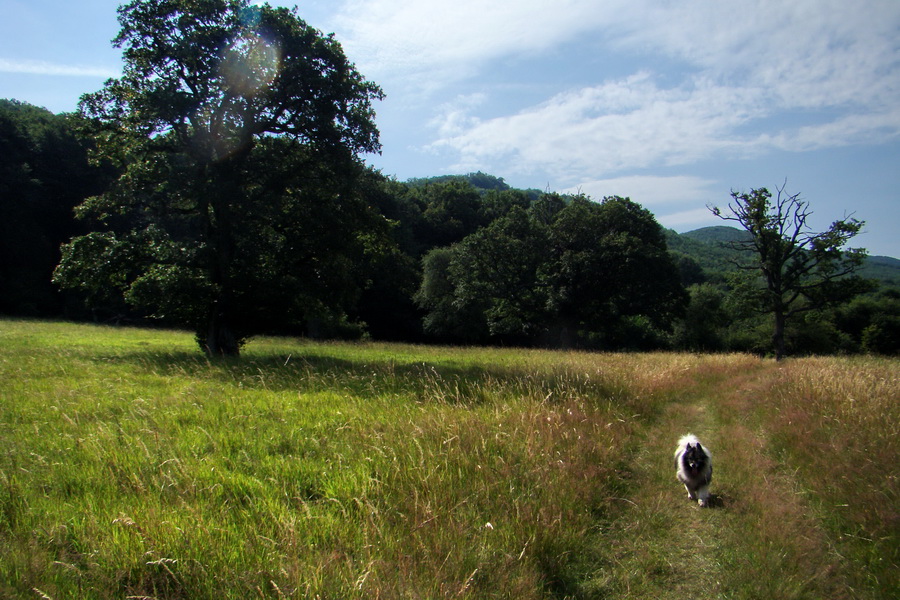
(133, 467)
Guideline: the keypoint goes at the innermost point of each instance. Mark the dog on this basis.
(694, 468)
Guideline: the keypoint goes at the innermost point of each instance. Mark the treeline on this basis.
(44, 175)
(453, 259)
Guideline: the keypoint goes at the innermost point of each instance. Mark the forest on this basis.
(451, 259)
(218, 186)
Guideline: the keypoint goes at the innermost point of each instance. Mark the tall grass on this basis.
(131, 466)
(837, 422)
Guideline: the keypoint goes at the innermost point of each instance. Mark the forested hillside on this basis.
(44, 174)
(451, 259)
(709, 247)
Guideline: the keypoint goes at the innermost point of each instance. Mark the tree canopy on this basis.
(44, 173)
(219, 185)
(237, 129)
(326, 248)
(595, 274)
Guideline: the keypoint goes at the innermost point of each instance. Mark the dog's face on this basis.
(694, 459)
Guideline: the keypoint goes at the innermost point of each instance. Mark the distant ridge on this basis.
(708, 246)
(883, 268)
(718, 233)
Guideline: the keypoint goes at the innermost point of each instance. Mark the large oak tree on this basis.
(237, 129)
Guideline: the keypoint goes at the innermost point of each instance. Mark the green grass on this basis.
(131, 466)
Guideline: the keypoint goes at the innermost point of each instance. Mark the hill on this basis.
(482, 182)
(719, 233)
(883, 268)
(709, 247)
(708, 250)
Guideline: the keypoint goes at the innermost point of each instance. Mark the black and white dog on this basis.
(694, 465)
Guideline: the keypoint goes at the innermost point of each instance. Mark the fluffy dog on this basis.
(694, 468)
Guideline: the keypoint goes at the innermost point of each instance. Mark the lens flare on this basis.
(250, 65)
(247, 69)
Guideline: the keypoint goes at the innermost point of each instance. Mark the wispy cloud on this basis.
(38, 67)
(688, 219)
(604, 129)
(803, 54)
(432, 43)
(672, 198)
(658, 191)
(755, 76)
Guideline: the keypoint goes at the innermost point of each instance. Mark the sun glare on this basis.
(250, 65)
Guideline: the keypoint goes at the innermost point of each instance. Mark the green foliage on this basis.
(837, 328)
(44, 172)
(700, 330)
(497, 272)
(450, 211)
(480, 181)
(882, 335)
(883, 269)
(610, 260)
(237, 128)
(716, 258)
(799, 270)
(559, 273)
(720, 235)
(295, 236)
(447, 318)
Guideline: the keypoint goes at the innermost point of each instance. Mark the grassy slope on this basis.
(131, 466)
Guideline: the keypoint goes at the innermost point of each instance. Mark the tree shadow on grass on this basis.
(305, 370)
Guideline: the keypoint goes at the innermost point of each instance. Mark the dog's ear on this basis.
(699, 447)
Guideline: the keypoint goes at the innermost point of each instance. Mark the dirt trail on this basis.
(758, 538)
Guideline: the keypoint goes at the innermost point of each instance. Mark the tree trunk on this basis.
(220, 338)
(223, 191)
(778, 335)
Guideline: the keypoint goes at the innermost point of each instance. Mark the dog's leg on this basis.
(690, 492)
(703, 493)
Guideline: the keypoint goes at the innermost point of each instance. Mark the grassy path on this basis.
(759, 538)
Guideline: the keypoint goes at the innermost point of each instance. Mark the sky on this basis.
(673, 103)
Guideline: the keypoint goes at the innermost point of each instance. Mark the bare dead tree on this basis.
(800, 269)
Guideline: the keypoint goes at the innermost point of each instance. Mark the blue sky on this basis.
(673, 103)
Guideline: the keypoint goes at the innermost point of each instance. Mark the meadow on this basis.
(133, 467)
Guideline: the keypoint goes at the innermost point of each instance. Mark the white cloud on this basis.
(762, 75)
(688, 219)
(455, 117)
(804, 53)
(652, 191)
(38, 67)
(873, 127)
(709, 79)
(631, 123)
(432, 43)
(668, 198)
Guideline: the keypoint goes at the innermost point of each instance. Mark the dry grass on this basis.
(131, 466)
(837, 421)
